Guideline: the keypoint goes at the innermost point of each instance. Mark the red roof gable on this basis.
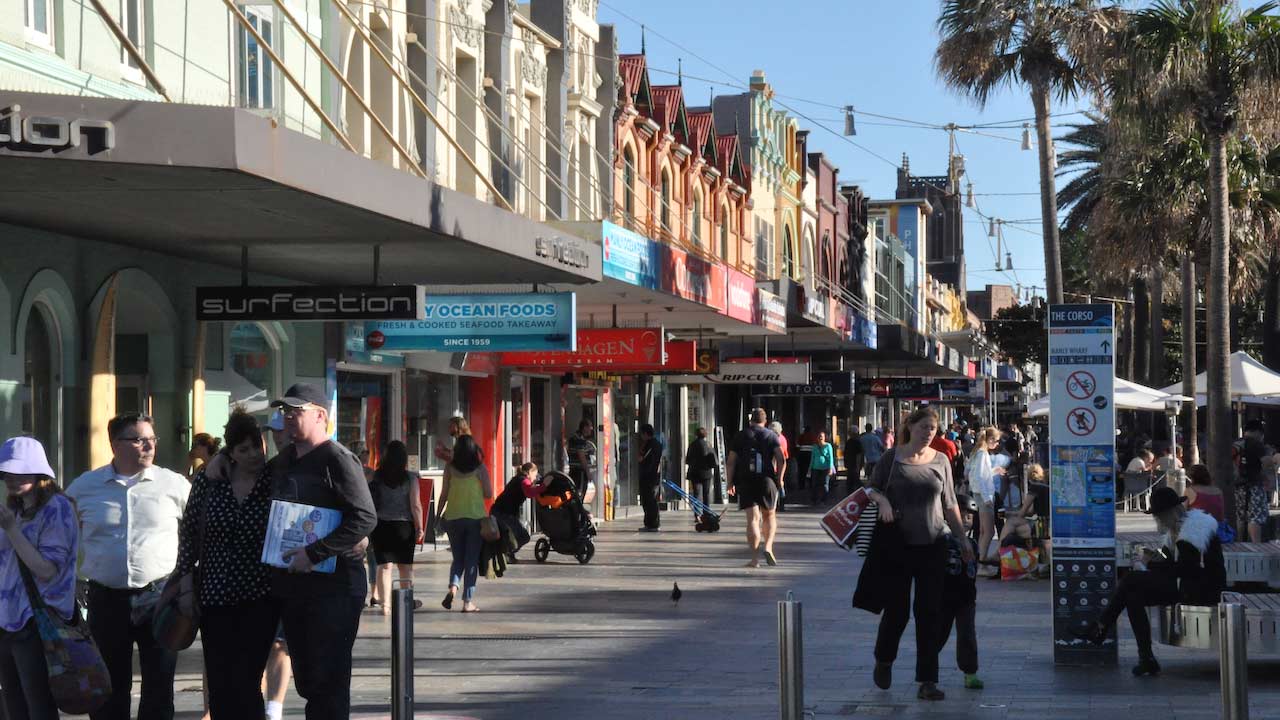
(730, 162)
(632, 70)
(669, 112)
(701, 134)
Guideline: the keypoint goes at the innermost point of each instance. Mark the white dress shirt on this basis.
(129, 525)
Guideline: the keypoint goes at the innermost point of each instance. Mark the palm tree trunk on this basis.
(1218, 380)
(1190, 449)
(1156, 376)
(1141, 326)
(1048, 194)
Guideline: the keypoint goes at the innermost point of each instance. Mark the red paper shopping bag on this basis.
(841, 521)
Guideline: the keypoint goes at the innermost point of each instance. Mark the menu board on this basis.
(1082, 477)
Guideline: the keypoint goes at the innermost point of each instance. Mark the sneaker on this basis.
(1146, 666)
(929, 691)
(973, 682)
(769, 558)
(883, 675)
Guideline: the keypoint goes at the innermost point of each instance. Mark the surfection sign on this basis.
(1082, 477)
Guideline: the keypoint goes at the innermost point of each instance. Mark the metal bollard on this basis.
(402, 650)
(790, 659)
(1233, 654)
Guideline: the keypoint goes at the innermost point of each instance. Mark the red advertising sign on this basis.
(740, 296)
(693, 278)
(599, 349)
(769, 360)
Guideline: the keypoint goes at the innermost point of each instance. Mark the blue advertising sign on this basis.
(1082, 476)
(630, 256)
(461, 323)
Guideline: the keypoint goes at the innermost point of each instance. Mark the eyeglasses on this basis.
(295, 413)
(139, 441)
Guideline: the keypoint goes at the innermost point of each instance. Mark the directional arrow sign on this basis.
(1106, 346)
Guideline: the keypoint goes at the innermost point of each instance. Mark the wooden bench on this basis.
(1253, 562)
(1196, 626)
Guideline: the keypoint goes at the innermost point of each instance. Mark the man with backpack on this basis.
(753, 468)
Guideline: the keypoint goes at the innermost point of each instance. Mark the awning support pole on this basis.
(377, 263)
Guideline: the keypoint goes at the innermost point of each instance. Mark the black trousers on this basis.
(322, 631)
(1137, 591)
(701, 489)
(24, 675)
(650, 489)
(965, 621)
(114, 632)
(924, 566)
(581, 478)
(236, 640)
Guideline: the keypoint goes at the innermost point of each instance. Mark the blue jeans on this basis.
(464, 543)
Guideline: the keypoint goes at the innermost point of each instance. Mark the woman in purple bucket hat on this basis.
(40, 533)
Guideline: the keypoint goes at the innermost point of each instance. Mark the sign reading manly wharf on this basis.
(462, 323)
(600, 349)
(307, 302)
(821, 384)
(1082, 455)
(735, 373)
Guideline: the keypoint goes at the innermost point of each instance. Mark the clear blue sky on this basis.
(876, 55)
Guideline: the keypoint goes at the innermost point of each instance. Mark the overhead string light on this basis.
(1026, 136)
(850, 128)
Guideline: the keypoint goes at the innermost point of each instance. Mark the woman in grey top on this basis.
(400, 524)
(912, 486)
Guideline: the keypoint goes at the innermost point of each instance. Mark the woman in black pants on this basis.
(222, 532)
(700, 460)
(913, 488)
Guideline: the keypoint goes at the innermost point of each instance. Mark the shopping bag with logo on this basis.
(1018, 563)
(841, 522)
(78, 677)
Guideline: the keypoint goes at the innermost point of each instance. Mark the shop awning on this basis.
(203, 183)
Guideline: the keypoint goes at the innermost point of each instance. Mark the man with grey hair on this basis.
(753, 469)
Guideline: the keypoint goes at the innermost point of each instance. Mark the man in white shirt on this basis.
(129, 513)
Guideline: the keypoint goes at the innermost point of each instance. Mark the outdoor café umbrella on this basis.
(1251, 382)
(1127, 396)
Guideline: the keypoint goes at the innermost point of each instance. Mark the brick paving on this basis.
(565, 641)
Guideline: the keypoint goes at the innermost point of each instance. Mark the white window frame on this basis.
(263, 13)
(44, 38)
(128, 10)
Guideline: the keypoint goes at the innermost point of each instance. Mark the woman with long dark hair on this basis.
(913, 488)
(39, 540)
(400, 525)
(466, 487)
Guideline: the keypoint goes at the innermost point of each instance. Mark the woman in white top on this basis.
(981, 476)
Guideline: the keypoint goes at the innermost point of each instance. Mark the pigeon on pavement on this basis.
(675, 592)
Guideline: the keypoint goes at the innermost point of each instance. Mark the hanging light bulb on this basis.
(1026, 136)
(968, 197)
(849, 127)
(1008, 260)
(991, 227)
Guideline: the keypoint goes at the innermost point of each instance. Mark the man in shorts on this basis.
(754, 465)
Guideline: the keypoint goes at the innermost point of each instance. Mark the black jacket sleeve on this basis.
(353, 500)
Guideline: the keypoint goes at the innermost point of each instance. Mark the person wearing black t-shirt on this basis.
(321, 611)
(753, 468)
(650, 477)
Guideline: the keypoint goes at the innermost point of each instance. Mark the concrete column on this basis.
(553, 18)
(497, 54)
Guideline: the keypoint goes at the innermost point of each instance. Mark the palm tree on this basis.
(987, 44)
(1204, 60)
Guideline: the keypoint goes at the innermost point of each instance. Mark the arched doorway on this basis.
(45, 350)
(41, 392)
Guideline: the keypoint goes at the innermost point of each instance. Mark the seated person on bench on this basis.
(1189, 570)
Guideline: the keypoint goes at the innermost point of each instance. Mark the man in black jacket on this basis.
(700, 460)
(321, 611)
(650, 477)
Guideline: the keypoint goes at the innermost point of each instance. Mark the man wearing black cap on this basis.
(321, 611)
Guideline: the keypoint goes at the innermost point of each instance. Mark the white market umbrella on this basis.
(1249, 379)
(1126, 396)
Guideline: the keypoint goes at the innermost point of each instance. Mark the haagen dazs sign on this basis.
(600, 348)
(308, 302)
(36, 133)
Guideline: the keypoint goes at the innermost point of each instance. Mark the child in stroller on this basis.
(566, 525)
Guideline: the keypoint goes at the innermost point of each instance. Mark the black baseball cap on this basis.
(301, 394)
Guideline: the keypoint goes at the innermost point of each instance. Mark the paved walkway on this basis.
(561, 640)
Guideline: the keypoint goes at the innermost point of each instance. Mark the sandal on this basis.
(447, 603)
(470, 609)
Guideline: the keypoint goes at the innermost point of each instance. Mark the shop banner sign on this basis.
(693, 278)
(629, 256)
(749, 374)
(824, 384)
(773, 311)
(679, 356)
(740, 296)
(1082, 476)
(708, 361)
(961, 390)
(463, 323)
(864, 331)
(899, 388)
(599, 349)
(247, 303)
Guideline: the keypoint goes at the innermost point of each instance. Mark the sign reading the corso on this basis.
(307, 302)
(36, 133)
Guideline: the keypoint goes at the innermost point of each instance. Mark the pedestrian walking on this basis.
(872, 448)
(466, 486)
(1189, 571)
(1202, 494)
(786, 480)
(853, 460)
(754, 467)
(508, 507)
(651, 450)
(457, 427)
(400, 525)
(700, 464)
(980, 476)
(37, 554)
(822, 465)
(913, 488)
(221, 537)
(582, 456)
(960, 597)
(203, 447)
(321, 611)
(129, 511)
(1251, 491)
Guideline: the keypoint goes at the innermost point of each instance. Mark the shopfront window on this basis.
(38, 380)
(253, 363)
(430, 400)
(363, 400)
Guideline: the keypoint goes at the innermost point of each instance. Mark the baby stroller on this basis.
(565, 524)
